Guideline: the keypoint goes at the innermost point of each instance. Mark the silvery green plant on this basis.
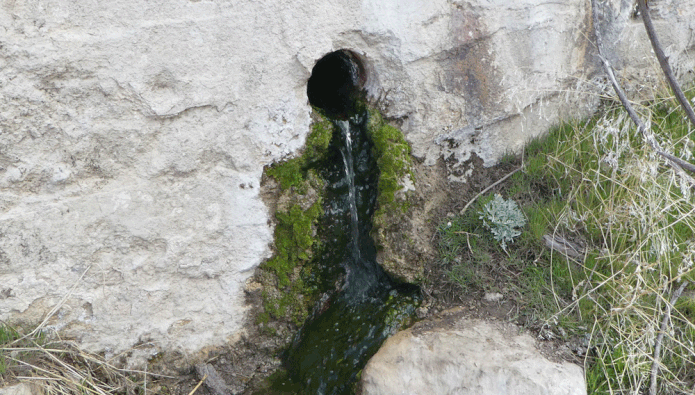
(503, 218)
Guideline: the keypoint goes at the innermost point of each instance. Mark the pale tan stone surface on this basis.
(468, 357)
(18, 389)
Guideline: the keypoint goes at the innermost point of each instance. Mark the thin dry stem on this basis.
(648, 136)
(53, 310)
(463, 210)
(199, 384)
(660, 337)
(62, 368)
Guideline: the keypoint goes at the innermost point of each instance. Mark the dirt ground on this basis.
(245, 365)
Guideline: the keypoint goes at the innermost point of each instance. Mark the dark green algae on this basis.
(344, 329)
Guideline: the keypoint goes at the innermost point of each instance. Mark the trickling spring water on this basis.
(346, 152)
(350, 324)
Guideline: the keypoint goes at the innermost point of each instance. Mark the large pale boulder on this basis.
(133, 134)
(458, 356)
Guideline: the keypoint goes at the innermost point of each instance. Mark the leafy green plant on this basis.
(503, 218)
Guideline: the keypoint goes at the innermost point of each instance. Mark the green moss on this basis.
(286, 295)
(279, 383)
(318, 140)
(390, 220)
(288, 173)
(392, 154)
(293, 172)
(291, 304)
(293, 240)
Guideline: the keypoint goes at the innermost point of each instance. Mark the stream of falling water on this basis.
(346, 152)
(350, 324)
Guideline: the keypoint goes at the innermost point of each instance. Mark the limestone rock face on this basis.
(133, 134)
(467, 357)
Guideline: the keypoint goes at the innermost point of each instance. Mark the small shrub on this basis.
(503, 218)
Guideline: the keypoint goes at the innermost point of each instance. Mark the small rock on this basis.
(493, 296)
(19, 389)
(213, 381)
(421, 312)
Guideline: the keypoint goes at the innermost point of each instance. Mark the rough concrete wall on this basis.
(508, 71)
(133, 133)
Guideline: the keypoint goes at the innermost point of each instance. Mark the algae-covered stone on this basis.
(392, 217)
(286, 296)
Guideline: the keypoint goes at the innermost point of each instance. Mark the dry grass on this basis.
(61, 367)
(637, 215)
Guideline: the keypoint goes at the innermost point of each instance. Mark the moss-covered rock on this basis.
(392, 218)
(292, 173)
(286, 295)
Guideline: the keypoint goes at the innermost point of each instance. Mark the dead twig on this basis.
(663, 61)
(198, 386)
(563, 246)
(468, 239)
(463, 210)
(660, 337)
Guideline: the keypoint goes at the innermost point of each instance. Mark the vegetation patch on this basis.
(392, 154)
(293, 173)
(288, 280)
(287, 295)
(55, 366)
(391, 220)
(608, 247)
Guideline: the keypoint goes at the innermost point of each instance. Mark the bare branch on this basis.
(563, 246)
(675, 162)
(663, 61)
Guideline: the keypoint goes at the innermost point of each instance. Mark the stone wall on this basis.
(133, 134)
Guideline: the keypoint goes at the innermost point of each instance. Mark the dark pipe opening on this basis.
(336, 82)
